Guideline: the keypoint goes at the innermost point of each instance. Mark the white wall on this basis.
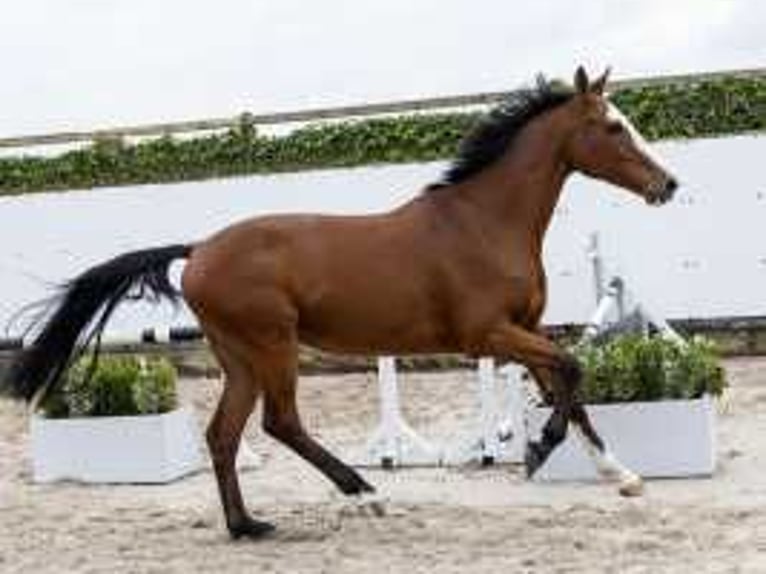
(703, 255)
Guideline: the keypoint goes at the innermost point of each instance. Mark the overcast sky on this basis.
(96, 63)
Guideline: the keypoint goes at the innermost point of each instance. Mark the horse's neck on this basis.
(518, 194)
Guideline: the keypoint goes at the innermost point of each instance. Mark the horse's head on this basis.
(605, 145)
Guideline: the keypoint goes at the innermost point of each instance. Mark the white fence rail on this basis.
(322, 114)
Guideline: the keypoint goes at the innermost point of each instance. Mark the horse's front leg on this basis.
(609, 467)
(558, 374)
(508, 341)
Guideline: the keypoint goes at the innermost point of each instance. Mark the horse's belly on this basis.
(373, 325)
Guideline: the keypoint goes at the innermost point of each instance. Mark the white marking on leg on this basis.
(610, 468)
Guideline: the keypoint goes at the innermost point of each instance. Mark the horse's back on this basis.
(347, 282)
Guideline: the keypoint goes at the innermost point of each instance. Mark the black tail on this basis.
(81, 311)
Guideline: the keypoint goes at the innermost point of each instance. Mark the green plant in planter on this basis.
(636, 368)
(121, 385)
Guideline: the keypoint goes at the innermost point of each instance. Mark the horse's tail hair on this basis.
(78, 314)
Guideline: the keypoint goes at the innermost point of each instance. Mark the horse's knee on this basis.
(571, 370)
(555, 430)
(553, 434)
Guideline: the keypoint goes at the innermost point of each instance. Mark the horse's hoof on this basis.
(370, 504)
(252, 529)
(533, 459)
(366, 488)
(356, 486)
(632, 486)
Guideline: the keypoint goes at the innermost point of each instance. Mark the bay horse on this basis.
(458, 269)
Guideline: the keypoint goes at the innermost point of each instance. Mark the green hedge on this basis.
(708, 108)
(121, 385)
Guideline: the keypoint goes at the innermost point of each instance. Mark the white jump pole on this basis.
(493, 440)
(609, 302)
(612, 297)
(489, 441)
(394, 443)
(594, 254)
(391, 414)
(512, 430)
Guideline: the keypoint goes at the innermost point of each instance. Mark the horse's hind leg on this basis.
(224, 433)
(278, 370)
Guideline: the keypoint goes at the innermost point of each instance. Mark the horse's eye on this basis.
(615, 128)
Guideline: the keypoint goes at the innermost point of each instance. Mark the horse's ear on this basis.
(599, 85)
(581, 81)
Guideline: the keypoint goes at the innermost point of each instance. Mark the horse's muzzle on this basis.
(661, 191)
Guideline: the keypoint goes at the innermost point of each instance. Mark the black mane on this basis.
(495, 131)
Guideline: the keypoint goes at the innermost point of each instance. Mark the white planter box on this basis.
(134, 449)
(656, 440)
